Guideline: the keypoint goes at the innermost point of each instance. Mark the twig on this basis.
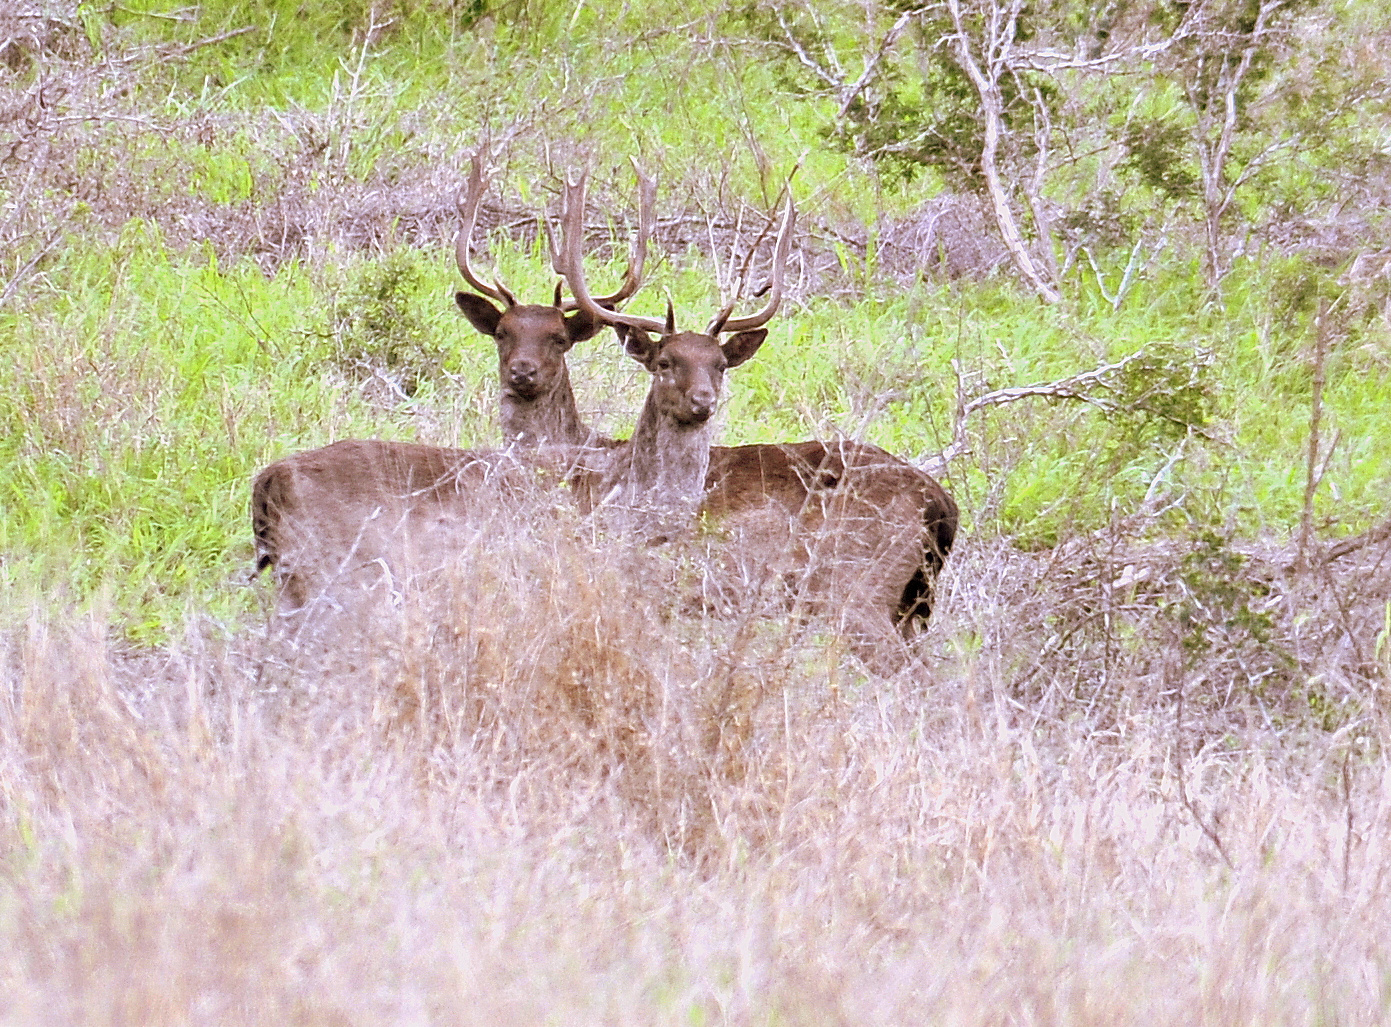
(1370, 537)
(13, 284)
(1065, 388)
(1182, 787)
(1311, 475)
(1347, 805)
(185, 15)
(188, 48)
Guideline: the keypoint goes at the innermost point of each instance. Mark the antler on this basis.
(570, 261)
(467, 204)
(721, 323)
(637, 257)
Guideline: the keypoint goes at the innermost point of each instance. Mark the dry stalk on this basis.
(1348, 827)
(1312, 474)
(1198, 818)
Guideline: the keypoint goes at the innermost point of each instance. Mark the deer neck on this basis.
(552, 418)
(659, 474)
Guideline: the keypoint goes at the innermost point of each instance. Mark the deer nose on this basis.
(522, 370)
(703, 403)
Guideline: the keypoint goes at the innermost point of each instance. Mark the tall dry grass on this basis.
(545, 784)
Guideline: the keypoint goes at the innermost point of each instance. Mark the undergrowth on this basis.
(1145, 735)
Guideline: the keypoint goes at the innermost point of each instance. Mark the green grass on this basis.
(147, 387)
(146, 382)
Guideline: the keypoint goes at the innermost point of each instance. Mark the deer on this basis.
(658, 476)
(858, 530)
(329, 513)
(537, 404)
(540, 413)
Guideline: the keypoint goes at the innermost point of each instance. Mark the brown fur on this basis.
(892, 510)
(850, 530)
(362, 509)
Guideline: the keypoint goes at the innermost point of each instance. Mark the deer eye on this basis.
(663, 364)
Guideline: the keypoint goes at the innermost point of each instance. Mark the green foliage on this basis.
(381, 325)
(919, 110)
(1217, 596)
(1159, 152)
(1165, 393)
(139, 398)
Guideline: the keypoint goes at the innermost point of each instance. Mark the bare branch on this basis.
(1132, 268)
(830, 77)
(986, 81)
(12, 286)
(1072, 388)
(872, 62)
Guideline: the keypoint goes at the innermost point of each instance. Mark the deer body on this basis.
(330, 513)
(363, 509)
(840, 518)
(842, 529)
(848, 527)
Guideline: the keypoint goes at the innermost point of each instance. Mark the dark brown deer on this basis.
(538, 404)
(857, 531)
(657, 478)
(362, 511)
(356, 506)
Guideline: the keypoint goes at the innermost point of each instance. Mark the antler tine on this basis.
(780, 251)
(717, 325)
(637, 256)
(466, 202)
(572, 259)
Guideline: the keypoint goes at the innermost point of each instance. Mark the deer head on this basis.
(660, 473)
(687, 367)
(533, 339)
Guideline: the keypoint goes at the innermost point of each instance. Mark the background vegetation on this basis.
(1142, 336)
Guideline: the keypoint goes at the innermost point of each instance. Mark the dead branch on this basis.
(1371, 537)
(1073, 388)
(221, 37)
(1132, 269)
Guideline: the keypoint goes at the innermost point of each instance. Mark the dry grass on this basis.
(540, 788)
(1137, 778)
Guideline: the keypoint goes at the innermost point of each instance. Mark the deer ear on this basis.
(738, 348)
(582, 325)
(480, 313)
(637, 343)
